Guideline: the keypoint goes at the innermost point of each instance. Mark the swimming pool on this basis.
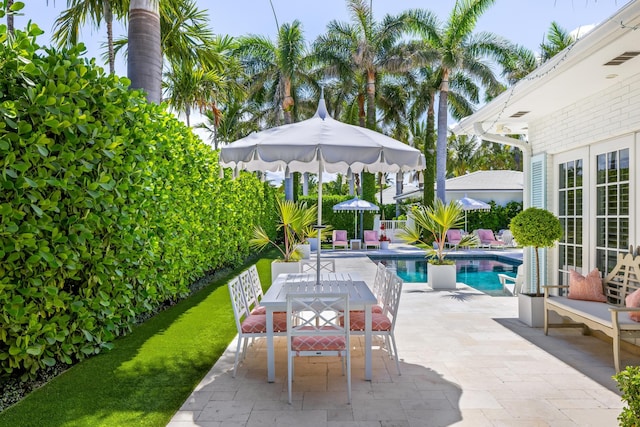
(479, 272)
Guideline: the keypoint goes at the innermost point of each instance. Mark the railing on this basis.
(391, 227)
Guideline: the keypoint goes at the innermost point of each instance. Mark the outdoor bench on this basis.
(611, 317)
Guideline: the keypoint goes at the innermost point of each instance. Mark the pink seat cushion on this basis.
(371, 236)
(319, 343)
(587, 288)
(454, 235)
(259, 309)
(633, 300)
(341, 236)
(379, 322)
(257, 323)
(374, 309)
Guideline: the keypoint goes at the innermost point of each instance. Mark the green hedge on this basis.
(110, 207)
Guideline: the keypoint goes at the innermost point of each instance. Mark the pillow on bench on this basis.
(587, 288)
(633, 300)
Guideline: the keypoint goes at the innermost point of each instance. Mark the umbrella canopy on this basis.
(469, 204)
(356, 205)
(320, 144)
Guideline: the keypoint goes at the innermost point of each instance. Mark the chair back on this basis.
(454, 235)
(238, 301)
(507, 238)
(318, 315)
(393, 298)
(310, 266)
(486, 235)
(379, 281)
(339, 235)
(370, 236)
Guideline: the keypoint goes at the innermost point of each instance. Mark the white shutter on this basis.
(538, 186)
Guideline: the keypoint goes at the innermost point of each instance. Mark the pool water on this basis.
(480, 273)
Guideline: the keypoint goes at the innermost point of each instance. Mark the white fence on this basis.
(391, 227)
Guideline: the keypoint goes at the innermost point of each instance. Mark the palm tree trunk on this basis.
(371, 100)
(287, 106)
(144, 66)
(362, 115)
(441, 148)
(428, 192)
(108, 17)
(10, 26)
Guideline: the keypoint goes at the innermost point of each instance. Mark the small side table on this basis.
(355, 243)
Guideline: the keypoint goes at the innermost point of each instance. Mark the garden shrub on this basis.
(629, 384)
(110, 207)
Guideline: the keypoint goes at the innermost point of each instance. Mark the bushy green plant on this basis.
(629, 384)
(110, 207)
(538, 228)
(435, 221)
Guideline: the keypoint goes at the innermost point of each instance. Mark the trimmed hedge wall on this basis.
(110, 207)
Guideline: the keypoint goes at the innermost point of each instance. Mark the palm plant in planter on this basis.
(541, 229)
(295, 220)
(429, 232)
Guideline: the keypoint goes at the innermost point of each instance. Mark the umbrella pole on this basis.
(319, 226)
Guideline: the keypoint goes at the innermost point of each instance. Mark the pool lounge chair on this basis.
(488, 239)
(454, 236)
(340, 239)
(371, 239)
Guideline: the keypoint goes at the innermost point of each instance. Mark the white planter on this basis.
(531, 310)
(279, 267)
(313, 241)
(305, 249)
(441, 276)
(384, 245)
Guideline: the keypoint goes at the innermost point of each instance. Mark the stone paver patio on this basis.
(466, 360)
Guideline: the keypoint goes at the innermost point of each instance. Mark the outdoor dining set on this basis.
(317, 315)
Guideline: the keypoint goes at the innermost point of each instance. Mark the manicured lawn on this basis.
(145, 379)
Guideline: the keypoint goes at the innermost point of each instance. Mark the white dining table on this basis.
(360, 298)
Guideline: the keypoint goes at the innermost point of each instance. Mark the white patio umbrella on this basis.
(469, 204)
(356, 205)
(320, 144)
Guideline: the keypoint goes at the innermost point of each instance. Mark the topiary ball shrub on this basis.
(538, 228)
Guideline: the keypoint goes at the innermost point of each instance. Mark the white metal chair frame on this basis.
(326, 266)
(241, 314)
(314, 328)
(391, 301)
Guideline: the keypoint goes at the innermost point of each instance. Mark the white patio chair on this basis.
(383, 324)
(250, 325)
(512, 285)
(314, 329)
(326, 266)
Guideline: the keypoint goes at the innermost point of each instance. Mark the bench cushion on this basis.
(595, 311)
(587, 287)
(633, 300)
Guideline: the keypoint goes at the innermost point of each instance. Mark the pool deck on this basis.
(466, 360)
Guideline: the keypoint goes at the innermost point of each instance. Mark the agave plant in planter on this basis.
(295, 219)
(429, 232)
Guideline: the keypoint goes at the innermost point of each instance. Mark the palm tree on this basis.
(557, 39)
(9, 12)
(67, 25)
(276, 70)
(356, 54)
(144, 65)
(459, 51)
(277, 73)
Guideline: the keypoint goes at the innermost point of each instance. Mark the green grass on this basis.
(145, 379)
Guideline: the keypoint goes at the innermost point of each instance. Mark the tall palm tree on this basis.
(356, 54)
(144, 65)
(67, 25)
(276, 70)
(277, 74)
(460, 50)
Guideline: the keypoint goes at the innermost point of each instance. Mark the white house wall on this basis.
(607, 119)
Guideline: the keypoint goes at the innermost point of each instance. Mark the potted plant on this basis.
(295, 219)
(383, 239)
(429, 231)
(541, 229)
